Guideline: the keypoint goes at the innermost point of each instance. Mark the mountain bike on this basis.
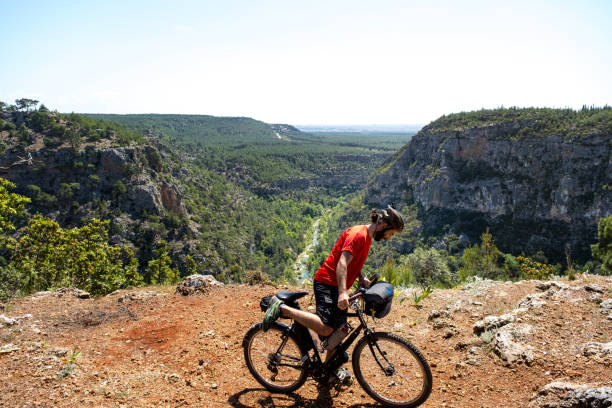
(388, 367)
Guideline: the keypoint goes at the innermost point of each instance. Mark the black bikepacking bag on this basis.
(265, 302)
(378, 299)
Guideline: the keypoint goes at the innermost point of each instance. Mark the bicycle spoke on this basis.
(392, 371)
(274, 359)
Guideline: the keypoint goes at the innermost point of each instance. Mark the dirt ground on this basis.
(152, 348)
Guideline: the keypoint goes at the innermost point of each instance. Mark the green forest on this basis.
(251, 193)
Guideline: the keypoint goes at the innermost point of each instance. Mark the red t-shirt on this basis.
(354, 240)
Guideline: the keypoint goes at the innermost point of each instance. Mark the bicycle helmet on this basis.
(393, 218)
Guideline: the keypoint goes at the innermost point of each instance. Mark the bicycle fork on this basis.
(390, 369)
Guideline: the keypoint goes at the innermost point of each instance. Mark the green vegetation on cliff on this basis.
(530, 122)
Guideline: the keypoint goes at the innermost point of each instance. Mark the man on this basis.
(338, 273)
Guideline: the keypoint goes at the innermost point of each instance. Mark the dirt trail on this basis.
(151, 348)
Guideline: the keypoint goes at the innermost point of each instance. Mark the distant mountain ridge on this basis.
(408, 128)
(205, 129)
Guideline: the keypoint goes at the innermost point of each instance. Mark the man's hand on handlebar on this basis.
(343, 301)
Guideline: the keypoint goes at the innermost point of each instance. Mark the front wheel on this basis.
(391, 370)
(274, 357)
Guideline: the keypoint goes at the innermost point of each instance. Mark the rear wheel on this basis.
(274, 358)
(391, 370)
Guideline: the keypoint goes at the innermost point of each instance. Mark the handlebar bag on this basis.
(378, 299)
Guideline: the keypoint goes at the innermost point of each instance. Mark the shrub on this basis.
(481, 260)
(428, 267)
(531, 269)
(256, 277)
(602, 251)
(11, 205)
(40, 121)
(48, 256)
(158, 270)
(118, 189)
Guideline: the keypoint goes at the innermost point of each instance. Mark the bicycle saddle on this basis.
(289, 297)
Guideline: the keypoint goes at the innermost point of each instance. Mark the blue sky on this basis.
(306, 62)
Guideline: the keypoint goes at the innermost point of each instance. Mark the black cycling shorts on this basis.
(326, 297)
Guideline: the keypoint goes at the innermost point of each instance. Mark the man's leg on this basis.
(307, 319)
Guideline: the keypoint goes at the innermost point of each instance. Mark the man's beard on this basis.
(379, 235)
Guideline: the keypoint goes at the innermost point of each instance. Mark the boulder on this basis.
(534, 300)
(78, 293)
(606, 306)
(138, 296)
(508, 344)
(7, 321)
(435, 314)
(594, 288)
(544, 286)
(597, 349)
(11, 321)
(197, 283)
(492, 322)
(568, 395)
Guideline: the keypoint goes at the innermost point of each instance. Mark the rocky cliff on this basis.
(535, 192)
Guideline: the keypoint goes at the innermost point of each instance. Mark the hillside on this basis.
(271, 159)
(203, 129)
(490, 344)
(538, 178)
(225, 196)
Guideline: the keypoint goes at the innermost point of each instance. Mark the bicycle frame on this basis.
(314, 364)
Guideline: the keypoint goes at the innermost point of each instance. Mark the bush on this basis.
(158, 270)
(40, 121)
(602, 251)
(481, 260)
(10, 283)
(118, 189)
(48, 256)
(429, 267)
(256, 277)
(11, 205)
(531, 269)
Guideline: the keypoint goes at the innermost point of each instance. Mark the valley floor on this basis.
(153, 348)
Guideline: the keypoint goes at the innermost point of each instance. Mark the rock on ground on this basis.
(492, 322)
(508, 344)
(78, 293)
(196, 284)
(597, 349)
(606, 308)
(568, 395)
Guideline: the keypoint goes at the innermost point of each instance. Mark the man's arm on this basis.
(363, 280)
(341, 271)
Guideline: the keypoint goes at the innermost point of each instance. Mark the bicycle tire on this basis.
(262, 358)
(408, 381)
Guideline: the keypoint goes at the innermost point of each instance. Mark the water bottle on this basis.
(336, 337)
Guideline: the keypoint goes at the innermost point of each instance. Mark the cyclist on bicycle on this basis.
(338, 273)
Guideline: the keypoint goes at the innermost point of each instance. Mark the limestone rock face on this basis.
(538, 193)
(171, 198)
(94, 174)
